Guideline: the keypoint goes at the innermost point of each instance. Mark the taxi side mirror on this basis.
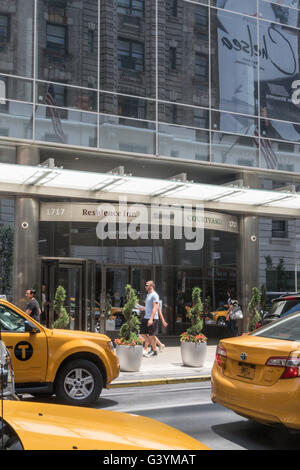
(30, 327)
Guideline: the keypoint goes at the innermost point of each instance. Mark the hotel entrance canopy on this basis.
(47, 182)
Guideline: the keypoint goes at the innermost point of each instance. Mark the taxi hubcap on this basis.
(79, 383)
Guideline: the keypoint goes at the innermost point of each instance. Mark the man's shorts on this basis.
(149, 330)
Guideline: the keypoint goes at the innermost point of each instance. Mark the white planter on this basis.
(193, 354)
(130, 357)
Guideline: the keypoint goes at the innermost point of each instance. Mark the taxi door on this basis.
(28, 350)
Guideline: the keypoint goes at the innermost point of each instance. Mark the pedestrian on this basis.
(149, 324)
(32, 308)
(160, 345)
(232, 322)
(44, 316)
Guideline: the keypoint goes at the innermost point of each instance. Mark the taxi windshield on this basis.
(287, 329)
(11, 321)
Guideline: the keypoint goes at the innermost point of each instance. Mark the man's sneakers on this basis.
(162, 347)
(151, 354)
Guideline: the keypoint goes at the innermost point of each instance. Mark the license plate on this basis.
(246, 370)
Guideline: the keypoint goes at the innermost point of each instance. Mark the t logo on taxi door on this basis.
(23, 351)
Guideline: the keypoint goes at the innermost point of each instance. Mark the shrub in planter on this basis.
(63, 318)
(129, 346)
(193, 342)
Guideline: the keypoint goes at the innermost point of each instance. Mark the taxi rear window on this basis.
(287, 329)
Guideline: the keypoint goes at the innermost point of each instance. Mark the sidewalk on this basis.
(167, 367)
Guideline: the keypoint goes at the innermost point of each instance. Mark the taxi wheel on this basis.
(221, 321)
(79, 382)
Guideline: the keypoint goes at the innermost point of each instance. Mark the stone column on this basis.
(26, 270)
(248, 262)
(248, 254)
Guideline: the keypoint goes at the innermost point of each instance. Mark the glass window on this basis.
(189, 41)
(67, 37)
(183, 115)
(234, 149)
(14, 89)
(131, 7)
(183, 142)
(128, 135)
(279, 68)
(54, 94)
(201, 66)
(173, 7)
(130, 55)
(56, 36)
(279, 13)
(16, 120)
(248, 7)
(16, 38)
(234, 53)
(66, 126)
(234, 123)
(287, 329)
(10, 321)
(280, 130)
(127, 106)
(172, 58)
(279, 228)
(4, 28)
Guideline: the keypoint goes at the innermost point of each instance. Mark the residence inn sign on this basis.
(93, 212)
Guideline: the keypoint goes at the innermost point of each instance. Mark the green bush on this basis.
(129, 332)
(63, 318)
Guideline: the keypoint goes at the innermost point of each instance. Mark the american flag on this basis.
(267, 151)
(56, 122)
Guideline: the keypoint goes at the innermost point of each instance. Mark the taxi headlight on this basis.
(7, 383)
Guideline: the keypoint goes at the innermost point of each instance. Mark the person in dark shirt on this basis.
(32, 308)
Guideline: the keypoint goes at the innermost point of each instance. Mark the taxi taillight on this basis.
(221, 355)
(291, 366)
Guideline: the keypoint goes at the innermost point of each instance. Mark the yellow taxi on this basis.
(75, 365)
(258, 375)
(40, 426)
(219, 315)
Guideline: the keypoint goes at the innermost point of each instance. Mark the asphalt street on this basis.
(188, 407)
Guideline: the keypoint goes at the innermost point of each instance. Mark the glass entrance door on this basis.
(77, 276)
(139, 277)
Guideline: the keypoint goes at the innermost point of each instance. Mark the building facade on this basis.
(197, 100)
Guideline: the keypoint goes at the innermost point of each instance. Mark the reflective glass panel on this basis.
(234, 53)
(279, 13)
(288, 3)
(234, 149)
(234, 123)
(67, 35)
(16, 120)
(183, 60)
(182, 142)
(247, 7)
(277, 155)
(128, 45)
(127, 106)
(128, 135)
(183, 115)
(66, 126)
(66, 97)
(280, 130)
(15, 89)
(279, 69)
(16, 37)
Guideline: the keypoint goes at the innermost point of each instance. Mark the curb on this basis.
(162, 381)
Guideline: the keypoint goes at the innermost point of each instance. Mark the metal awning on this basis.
(43, 181)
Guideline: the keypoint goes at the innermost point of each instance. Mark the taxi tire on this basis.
(79, 364)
